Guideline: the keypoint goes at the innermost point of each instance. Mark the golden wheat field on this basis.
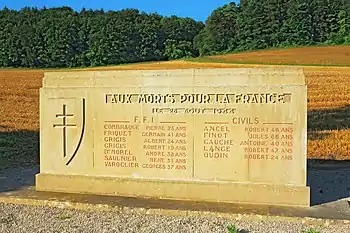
(327, 55)
(328, 110)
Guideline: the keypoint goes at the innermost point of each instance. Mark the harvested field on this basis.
(328, 110)
(328, 113)
(19, 117)
(332, 55)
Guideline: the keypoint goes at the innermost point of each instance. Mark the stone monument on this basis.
(213, 135)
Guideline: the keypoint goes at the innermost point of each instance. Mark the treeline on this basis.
(61, 37)
(260, 24)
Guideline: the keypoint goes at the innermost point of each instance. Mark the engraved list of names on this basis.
(184, 136)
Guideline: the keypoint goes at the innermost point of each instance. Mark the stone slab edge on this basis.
(66, 204)
(224, 192)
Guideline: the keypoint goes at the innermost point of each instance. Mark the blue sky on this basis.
(196, 9)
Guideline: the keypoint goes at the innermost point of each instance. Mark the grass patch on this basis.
(311, 230)
(233, 229)
(63, 217)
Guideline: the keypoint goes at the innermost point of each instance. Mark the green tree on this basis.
(343, 34)
(149, 38)
(61, 37)
(261, 23)
(179, 33)
(299, 24)
(219, 33)
(60, 27)
(96, 23)
(178, 49)
(7, 23)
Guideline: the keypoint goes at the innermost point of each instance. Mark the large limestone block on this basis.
(190, 134)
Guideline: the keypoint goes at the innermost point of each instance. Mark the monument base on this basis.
(222, 192)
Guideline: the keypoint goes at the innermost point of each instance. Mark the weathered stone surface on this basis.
(227, 135)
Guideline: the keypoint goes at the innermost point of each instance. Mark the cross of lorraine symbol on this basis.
(65, 125)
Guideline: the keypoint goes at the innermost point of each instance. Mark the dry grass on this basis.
(328, 104)
(333, 55)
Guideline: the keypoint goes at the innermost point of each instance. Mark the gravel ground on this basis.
(18, 218)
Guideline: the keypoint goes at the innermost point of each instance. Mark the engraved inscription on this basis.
(185, 135)
(116, 150)
(195, 98)
(270, 142)
(217, 142)
(165, 146)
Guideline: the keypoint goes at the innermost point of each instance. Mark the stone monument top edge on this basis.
(176, 77)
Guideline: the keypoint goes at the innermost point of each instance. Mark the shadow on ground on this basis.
(17, 178)
(329, 180)
(19, 158)
(18, 148)
(329, 184)
(328, 119)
